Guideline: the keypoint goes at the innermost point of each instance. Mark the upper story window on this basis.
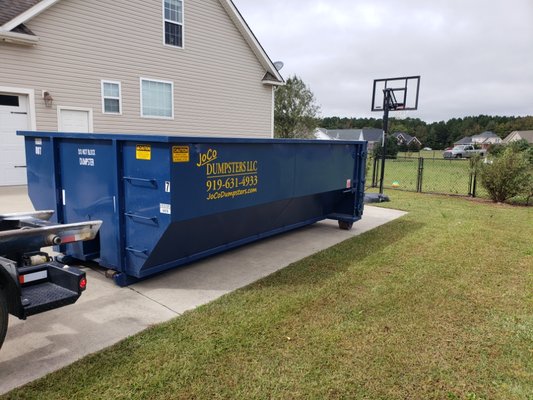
(111, 98)
(173, 21)
(157, 99)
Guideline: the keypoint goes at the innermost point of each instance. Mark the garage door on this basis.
(13, 117)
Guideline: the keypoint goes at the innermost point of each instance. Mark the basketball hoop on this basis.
(393, 94)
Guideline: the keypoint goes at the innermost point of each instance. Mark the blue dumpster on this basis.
(166, 200)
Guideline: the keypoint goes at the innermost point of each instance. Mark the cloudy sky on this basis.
(474, 56)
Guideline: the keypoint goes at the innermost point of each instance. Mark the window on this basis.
(11, 101)
(157, 99)
(173, 21)
(111, 101)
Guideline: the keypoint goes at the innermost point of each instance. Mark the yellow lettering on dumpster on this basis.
(180, 154)
(143, 152)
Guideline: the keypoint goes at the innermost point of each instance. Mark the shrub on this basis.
(392, 148)
(508, 175)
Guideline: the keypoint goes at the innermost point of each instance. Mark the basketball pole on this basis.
(386, 102)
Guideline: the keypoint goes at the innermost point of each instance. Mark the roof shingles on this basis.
(10, 9)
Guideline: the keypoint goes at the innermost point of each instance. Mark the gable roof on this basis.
(368, 134)
(372, 134)
(526, 135)
(16, 12)
(485, 135)
(406, 136)
(9, 9)
(465, 140)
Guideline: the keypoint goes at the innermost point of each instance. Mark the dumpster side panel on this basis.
(189, 240)
(226, 195)
(221, 177)
(147, 208)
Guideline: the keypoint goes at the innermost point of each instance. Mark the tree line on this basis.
(296, 115)
(436, 135)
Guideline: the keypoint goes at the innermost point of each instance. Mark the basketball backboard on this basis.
(401, 93)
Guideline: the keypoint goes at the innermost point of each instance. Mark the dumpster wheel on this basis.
(3, 316)
(345, 225)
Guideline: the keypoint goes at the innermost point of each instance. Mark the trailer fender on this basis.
(4, 317)
(11, 287)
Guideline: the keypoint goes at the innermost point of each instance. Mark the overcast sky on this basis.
(474, 56)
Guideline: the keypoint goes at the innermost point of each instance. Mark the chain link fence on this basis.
(429, 175)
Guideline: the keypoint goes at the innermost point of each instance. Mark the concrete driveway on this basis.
(105, 313)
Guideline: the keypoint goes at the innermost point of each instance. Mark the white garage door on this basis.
(13, 117)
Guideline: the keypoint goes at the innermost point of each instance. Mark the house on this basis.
(519, 135)
(404, 139)
(485, 139)
(176, 67)
(371, 135)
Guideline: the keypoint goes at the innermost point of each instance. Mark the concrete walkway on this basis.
(105, 313)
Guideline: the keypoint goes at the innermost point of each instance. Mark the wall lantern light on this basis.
(48, 99)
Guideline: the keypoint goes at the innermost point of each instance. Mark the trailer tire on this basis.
(4, 315)
(345, 225)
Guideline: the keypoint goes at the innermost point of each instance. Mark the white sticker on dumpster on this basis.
(164, 208)
(86, 157)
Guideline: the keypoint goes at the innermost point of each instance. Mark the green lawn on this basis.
(435, 305)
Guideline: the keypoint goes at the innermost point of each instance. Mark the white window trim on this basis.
(174, 22)
(31, 102)
(90, 110)
(141, 97)
(119, 98)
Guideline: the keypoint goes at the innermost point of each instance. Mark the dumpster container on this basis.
(166, 200)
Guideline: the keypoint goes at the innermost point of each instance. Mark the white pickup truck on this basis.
(464, 151)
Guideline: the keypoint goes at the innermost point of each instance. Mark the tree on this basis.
(295, 110)
(392, 148)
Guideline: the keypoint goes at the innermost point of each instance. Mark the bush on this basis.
(508, 175)
(391, 151)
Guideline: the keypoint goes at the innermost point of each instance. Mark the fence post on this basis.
(375, 173)
(474, 184)
(420, 174)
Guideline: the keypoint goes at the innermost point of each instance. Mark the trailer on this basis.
(167, 200)
(31, 282)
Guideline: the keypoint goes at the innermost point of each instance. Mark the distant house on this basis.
(485, 139)
(177, 67)
(371, 135)
(406, 139)
(519, 135)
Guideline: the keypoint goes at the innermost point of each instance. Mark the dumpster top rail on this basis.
(175, 139)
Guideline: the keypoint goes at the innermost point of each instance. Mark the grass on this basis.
(435, 305)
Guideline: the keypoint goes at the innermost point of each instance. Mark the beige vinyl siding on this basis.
(216, 76)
